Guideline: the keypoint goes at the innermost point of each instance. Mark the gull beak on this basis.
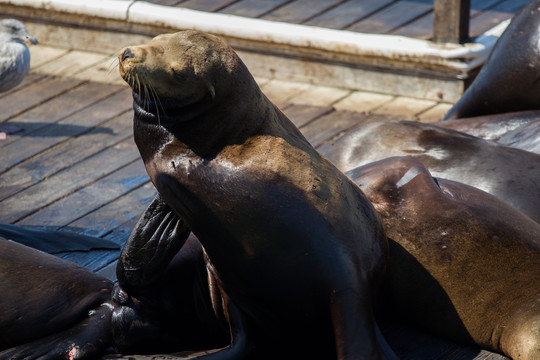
(30, 40)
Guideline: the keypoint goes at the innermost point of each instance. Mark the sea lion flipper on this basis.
(157, 237)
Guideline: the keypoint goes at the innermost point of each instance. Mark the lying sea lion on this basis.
(295, 246)
(507, 173)
(464, 265)
(508, 81)
(50, 307)
(54, 309)
(520, 130)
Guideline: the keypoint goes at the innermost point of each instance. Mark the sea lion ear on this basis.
(212, 91)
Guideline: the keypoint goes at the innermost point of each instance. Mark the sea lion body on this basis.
(508, 81)
(464, 265)
(294, 244)
(520, 130)
(507, 173)
(47, 300)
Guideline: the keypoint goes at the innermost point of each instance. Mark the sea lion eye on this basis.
(178, 75)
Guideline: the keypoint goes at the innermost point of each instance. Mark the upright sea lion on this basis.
(296, 247)
(464, 265)
(508, 81)
(520, 130)
(509, 174)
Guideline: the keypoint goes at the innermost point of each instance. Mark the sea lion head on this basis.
(178, 71)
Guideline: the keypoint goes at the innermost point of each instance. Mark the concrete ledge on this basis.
(388, 64)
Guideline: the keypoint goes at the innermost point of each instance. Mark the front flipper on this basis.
(87, 340)
(155, 240)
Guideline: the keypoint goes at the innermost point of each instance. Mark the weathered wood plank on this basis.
(361, 101)
(451, 21)
(71, 63)
(40, 55)
(113, 216)
(34, 94)
(67, 181)
(300, 10)
(74, 153)
(74, 125)
(300, 115)
(319, 96)
(393, 17)
(348, 13)
(57, 108)
(328, 126)
(206, 5)
(489, 18)
(404, 108)
(91, 197)
(280, 91)
(253, 8)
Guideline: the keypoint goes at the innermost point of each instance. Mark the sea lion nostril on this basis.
(127, 54)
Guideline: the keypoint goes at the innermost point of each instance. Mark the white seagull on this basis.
(14, 59)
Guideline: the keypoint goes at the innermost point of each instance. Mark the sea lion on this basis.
(520, 130)
(54, 309)
(508, 81)
(507, 173)
(50, 307)
(464, 265)
(296, 247)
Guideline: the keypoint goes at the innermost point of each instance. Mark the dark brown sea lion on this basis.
(520, 130)
(508, 81)
(296, 247)
(54, 309)
(50, 308)
(507, 173)
(464, 265)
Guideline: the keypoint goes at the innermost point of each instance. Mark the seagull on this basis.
(14, 59)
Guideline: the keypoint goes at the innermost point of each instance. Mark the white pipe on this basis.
(457, 57)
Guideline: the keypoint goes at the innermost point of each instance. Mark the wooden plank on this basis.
(280, 91)
(319, 96)
(112, 216)
(40, 55)
(422, 28)
(206, 5)
(300, 10)
(74, 125)
(67, 181)
(361, 101)
(300, 115)
(393, 17)
(57, 108)
(33, 95)
(91, 197)
(435, 113)
(404, 108)
(253, 8)
(74, 153)
(328, 126)
(488, 19)
(451, 21)
(105, 71)
(71, 63)
(348, 13)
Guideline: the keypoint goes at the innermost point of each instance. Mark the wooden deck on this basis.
(412, 18)
(75, 166)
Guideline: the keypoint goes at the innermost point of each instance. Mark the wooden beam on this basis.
(451, 21)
